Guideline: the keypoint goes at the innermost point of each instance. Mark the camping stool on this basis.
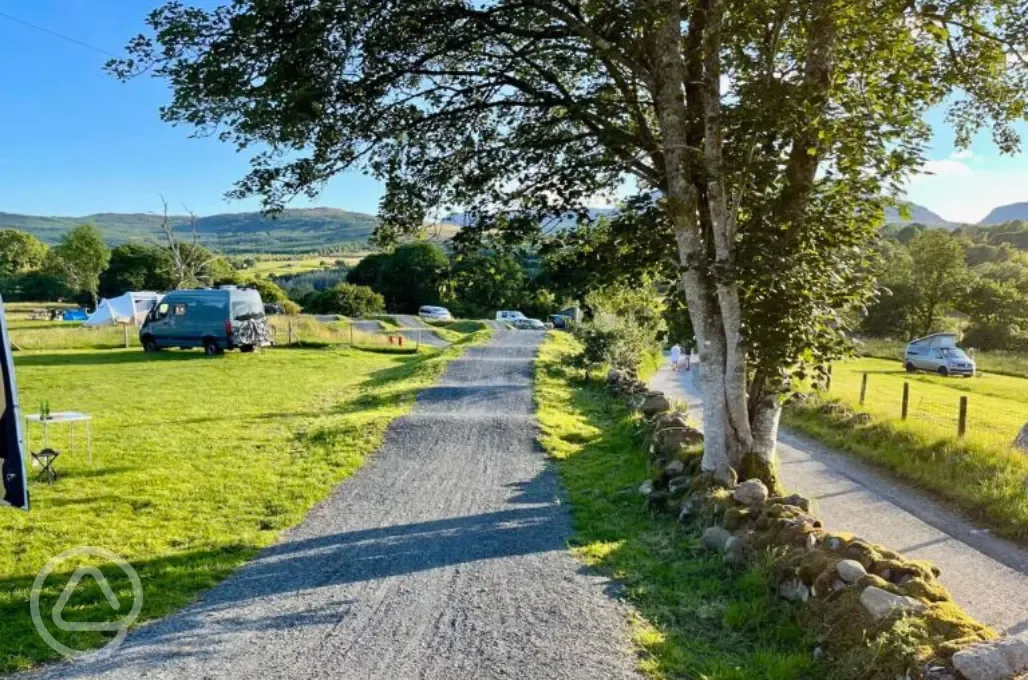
(46, 458)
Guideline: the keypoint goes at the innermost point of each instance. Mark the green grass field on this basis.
(699, 618)
(981, 472)
(279, 266)
(997, 405)
(198, 462)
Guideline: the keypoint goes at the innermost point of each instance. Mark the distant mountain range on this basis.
(312, 229)
(1006, 213)
(918, 214)
(294, 231)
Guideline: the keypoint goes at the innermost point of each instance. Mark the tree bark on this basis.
(722, 447)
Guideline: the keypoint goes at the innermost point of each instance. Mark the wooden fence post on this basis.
(828, 383)
(863, 388)
(351, 334)
(417, 345)
(962, 421)
(125, 328)
(906, 400)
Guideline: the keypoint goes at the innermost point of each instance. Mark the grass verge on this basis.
(698, 617)
(198, 463)
(985, 482)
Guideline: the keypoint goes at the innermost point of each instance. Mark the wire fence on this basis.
(299, 330)
(932, 409)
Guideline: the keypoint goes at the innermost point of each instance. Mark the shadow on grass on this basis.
(702, 618)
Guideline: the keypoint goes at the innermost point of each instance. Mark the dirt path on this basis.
(987, 575)
(444, 557)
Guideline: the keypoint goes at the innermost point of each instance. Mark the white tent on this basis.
(130, 308)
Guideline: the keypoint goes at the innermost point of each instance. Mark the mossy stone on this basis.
(756, 466)
(734, 518)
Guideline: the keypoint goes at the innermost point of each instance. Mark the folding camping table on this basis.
(57, 417)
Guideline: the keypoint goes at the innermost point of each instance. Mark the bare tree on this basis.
(189, 259)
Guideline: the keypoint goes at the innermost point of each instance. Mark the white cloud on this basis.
(943, 167)
(963, 154)
(965, 196)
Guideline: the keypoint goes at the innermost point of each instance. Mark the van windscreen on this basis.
(245, 309)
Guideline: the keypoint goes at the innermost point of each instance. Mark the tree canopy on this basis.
(768, 133)
(83, 256)
(19, 252)
(134, 266)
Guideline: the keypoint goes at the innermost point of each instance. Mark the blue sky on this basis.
(75, 141)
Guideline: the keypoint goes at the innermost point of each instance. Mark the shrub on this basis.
(626, 327)
(270, 292)
(290, 307)
(347, 299)
(616, 343)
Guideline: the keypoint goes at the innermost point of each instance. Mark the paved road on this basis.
(443, 557)
(987, 575)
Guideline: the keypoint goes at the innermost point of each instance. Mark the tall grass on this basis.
(71, 336)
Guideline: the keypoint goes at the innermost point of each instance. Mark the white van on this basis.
(938, 353)
(510, 316)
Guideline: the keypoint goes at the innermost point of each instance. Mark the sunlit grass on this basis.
(997, 405)
(198, 462)
(698, 617)
(980, 472)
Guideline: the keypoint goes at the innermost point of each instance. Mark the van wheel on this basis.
(943, 371)
(210, 348)
(910, 368)
(246, 349)
(150, 345)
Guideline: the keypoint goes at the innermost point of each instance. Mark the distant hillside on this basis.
(569, 220)
(294, 231)
(1007, 213)
(918, 215)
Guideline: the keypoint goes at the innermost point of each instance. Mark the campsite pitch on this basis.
(197, 463)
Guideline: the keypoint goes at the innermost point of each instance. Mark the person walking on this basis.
(688, 355)
(676, 356)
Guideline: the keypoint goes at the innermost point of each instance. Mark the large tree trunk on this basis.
(723, 374)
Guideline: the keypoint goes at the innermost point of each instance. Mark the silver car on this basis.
(938, 353)
(529, 325)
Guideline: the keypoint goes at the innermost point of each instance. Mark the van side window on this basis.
(161, 311)
(180, 309)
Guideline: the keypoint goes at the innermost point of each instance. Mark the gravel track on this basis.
(428, 336)
(445, 556)
(986, 574)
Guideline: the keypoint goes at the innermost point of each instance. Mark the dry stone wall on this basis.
(876, 613)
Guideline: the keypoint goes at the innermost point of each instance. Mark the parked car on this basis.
(509, 316)
(437, 313)
(215, 319)
(938, 353)
(529, 325)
